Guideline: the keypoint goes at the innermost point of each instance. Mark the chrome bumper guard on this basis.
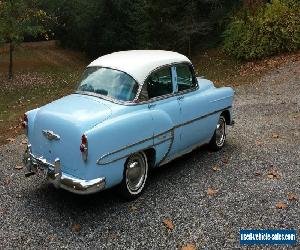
(58, 178)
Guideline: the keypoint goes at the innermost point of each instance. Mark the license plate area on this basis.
(41, 167)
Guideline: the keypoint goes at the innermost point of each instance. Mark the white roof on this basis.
(139, 63)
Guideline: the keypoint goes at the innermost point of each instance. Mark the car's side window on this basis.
(159, 83)
(185, 77)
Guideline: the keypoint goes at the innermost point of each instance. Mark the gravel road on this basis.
(259, 167)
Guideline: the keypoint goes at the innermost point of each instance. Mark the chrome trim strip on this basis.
(201, 117)
(132, 145)
(220, 99)
(163, 97)
(106, 98)
(172, 130)
(135, 101)
(169, 149)
(127, 155)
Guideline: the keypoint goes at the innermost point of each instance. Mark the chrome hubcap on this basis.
(221, 132)
(135, 172)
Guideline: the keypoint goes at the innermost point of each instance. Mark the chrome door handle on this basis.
(180, 97)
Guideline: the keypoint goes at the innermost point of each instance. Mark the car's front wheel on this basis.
(134, 176)
(219, 137)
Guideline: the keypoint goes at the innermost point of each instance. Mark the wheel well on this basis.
(226, 114)
(151, 155)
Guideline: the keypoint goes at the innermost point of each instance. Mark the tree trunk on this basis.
(10, 69)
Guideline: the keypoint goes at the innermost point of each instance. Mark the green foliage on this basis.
(102, 26)
(272, 29)
(19, 18)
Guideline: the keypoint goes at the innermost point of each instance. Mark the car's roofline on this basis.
(139, 63)
(135, 100)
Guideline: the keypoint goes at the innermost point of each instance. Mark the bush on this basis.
(272, 29)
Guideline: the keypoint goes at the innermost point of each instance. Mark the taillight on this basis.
(25, 122)
(84, 147)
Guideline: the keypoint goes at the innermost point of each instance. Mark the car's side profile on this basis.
(132, 111)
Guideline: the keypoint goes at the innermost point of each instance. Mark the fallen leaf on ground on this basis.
(132, 208)
(257, 173)
(212, 192)
(275, 136)
(225, 160)
(24, 141)
(273, 174)
(216, 168)
(189, 246)
(76, 228)
(10, 139)
(18, 167)
(7, 180)
(281, 205)
(258, 142)
(169, 224)
(292, 197)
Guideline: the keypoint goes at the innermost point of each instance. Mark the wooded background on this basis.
(102, 26)
(248, 29)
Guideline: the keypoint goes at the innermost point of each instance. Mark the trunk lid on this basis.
(66, 120)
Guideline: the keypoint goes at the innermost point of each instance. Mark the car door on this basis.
(158, 91)
(195, 125)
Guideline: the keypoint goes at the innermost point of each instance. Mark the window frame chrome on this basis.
(177, 93)
(136, 100)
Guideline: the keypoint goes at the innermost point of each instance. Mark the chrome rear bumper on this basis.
(58, 178)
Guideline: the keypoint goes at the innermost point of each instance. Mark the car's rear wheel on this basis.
(219, 137)
(135, 176)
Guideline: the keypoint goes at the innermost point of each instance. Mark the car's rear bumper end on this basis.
(61, 180)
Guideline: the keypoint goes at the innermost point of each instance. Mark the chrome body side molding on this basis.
(101, 160)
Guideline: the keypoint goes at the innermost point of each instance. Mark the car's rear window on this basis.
(108, 82)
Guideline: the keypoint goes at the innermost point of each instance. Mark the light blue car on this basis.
(132, 111)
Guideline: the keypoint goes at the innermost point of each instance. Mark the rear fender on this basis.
(112, 141)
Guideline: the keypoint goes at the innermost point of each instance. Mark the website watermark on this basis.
(251, 237)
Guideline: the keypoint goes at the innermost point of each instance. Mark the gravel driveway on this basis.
(259, 167)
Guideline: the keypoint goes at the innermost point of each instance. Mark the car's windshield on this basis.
(108, 82)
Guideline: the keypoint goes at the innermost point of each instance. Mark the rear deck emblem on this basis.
(50, 135)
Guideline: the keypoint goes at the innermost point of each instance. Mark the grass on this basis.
(223, 70)
(44, 72)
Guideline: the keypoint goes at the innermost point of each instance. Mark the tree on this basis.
(98, 27)
(271, 29)
(182, 25)
(190, 25)
(18, 18)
